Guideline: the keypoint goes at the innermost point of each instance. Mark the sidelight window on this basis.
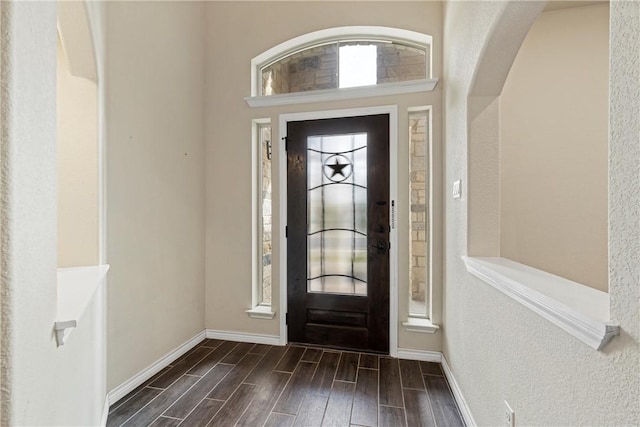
(262, 220)
(419, 214)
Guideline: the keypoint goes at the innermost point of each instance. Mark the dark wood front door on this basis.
(338, 232)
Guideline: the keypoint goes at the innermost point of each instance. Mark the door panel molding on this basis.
(392, 111)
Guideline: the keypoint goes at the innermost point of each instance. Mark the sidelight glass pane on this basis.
(337, 209)
(265, 139)
(419, 209)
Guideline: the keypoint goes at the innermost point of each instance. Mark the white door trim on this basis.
(392, 110)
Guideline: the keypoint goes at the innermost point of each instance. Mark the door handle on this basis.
(381, 246)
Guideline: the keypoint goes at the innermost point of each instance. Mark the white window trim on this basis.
(420, 325)
(259, 310)
(392, 110)
(335, 34)
(324, 95)
(423, 323)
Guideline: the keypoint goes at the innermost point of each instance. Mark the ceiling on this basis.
(566, 4)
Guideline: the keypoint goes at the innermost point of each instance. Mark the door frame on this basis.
(284, 119)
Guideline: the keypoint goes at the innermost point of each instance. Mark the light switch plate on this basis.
(457, 189)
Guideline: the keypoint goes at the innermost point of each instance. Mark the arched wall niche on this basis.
(536, 168)
(75, 33)
(483, 189)
(78, 139)
(548, 229)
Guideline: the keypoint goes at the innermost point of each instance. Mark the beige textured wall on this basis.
(553, 147)
(41, 383)
(155, 180)
(228, 139)
(28, 216)
(77, 151)
(498, 349)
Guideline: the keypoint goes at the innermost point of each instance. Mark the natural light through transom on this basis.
(358, 65)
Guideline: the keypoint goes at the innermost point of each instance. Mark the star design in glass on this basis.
(337, 168)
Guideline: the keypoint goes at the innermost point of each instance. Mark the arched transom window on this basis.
(342, 57)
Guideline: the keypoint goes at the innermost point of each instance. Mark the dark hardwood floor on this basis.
(223, 383)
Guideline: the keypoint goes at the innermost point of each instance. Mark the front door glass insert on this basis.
(337, 214)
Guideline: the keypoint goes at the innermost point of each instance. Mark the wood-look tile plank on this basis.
(238, 353)
(294, 392)
(212, 343)
(232, 410)
(365, 399)
(260, 349)
(290, 359)
(133, 405)
(264, 400)
(410, 374)
(203, 413)
(227, 386)
(323, 378)
(252, 390)
(312, 355)
(312, 411)
(212, 358)
(390, 388)
(165, 399)
(126, 398)
(184, 356)
(392, 417)
(165, 422)
(279, 420)
(181, 367)
(269, 361)
(431, 368)
(338, 409)
(369, 361)
(444, 407)
(418, 408)
(348, 366)
(191, 399)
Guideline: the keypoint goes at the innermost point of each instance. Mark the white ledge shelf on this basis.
(580, 310)
(420, 325)
(76, 287)
(383, 89)
(261, 312)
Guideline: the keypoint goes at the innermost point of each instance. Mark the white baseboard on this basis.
(457, 394)
(130, 385)
(243, 337)
(424, 355)
(105, 411)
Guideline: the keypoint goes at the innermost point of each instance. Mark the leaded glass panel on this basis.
(337, 214)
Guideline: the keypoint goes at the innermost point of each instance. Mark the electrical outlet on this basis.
(509, 416)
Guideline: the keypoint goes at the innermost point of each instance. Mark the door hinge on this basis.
(286, 143)
(286, 231)
(286, 318)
